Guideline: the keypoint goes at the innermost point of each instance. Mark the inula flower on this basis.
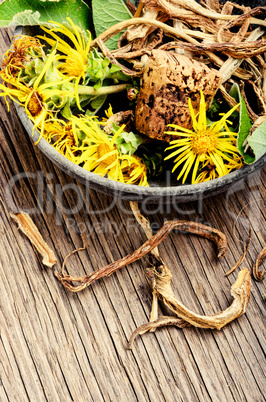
(211, 147)
(37, 100)
(134, 170)
(98, 152)
(61, 136)
(24, 58)
(74, 57)
(78, 62)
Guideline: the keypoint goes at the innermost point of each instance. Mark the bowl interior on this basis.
(162, 189)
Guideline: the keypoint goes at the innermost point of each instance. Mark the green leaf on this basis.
(97, 103)
(37, 12)
(107, 13)
(244, 124)
(127, 143)
(257, 141)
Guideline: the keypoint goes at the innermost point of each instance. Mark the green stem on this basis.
(111, 89)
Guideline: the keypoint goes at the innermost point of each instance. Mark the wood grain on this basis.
(60, 346)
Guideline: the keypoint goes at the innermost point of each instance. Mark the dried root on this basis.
(27, 226)
(158, 273)
(222, 41)
(161, 277)
(259, 275)
(241, 259)
(192, 227)
(73, 252)
(163, 321)
(240, 290)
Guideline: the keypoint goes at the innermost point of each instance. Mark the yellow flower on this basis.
(75, 59)
(62, 137)
(207, 173)
(22, 48)
(202, 146)
(208, 170)
(98, 152)
(235, 163)
(134, 170)
(34, 99)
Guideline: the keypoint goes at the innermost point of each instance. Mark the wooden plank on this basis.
(63, 346)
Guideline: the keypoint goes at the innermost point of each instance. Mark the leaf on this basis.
(127, 143)
(257, 141)
(107, 13)
(244, 124)
(97, 103)
(37, 12)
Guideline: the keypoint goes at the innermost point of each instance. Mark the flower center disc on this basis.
(73, 66)
(204, 143)
(35, 104)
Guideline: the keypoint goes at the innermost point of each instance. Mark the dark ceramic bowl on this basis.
(158, 192)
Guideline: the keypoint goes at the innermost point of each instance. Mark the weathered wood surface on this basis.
(59, 346)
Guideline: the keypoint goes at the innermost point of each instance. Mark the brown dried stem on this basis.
(240, 290)
(72, 253)
(27, 226)
(144, 223)
(191, 227)
(152, 326)
(259, 275)
(241, 50)
(138, 10)
(241, 259)
(198, 9)
(114, 29)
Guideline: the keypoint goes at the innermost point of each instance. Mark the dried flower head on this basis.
(23, 54)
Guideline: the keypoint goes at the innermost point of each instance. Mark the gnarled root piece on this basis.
(240, 290)
(27, 226)
(259, 275)
(168, 81)
(192, 227)
(161, 277)
(120, 118)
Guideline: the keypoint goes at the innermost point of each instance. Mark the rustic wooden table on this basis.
(60, 346)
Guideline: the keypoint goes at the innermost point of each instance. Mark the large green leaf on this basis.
(37, 12)
(107, 13)
(244, 124)
(257, 141)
